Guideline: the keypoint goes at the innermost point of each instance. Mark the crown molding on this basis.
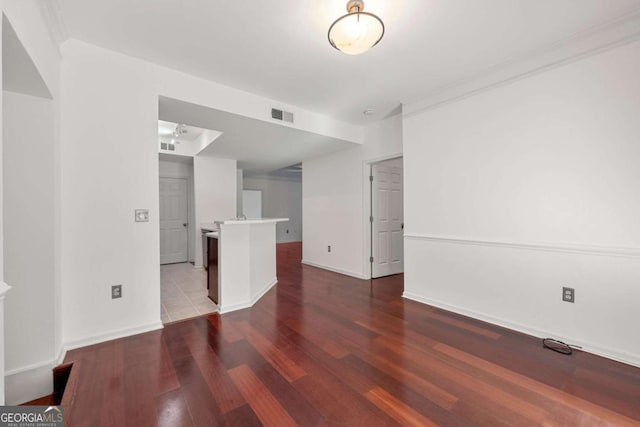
(622, 30)
(52, 14)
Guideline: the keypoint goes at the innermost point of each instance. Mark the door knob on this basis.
(184, 225)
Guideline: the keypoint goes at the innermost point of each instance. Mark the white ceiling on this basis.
(279, 49)
(258, 146)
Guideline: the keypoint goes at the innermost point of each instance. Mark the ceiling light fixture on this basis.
(357, 31)
(180, 130)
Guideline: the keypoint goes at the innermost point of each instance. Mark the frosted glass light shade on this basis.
(356, 32)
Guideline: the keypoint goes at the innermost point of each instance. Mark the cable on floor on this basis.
(557, 346)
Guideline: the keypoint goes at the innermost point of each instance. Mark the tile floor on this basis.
(183, 292)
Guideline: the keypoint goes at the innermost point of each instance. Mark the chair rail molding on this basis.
(546, 247)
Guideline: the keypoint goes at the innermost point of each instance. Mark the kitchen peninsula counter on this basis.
(245, 261)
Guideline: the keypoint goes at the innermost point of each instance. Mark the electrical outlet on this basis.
(329, 248)
(568, 294)
(116, 291)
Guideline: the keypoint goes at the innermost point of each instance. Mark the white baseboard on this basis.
(619, 356)
(234, 307)
(36, 380)
(27, 368)
(252, 301)
(28, 382)
(111, 335)
(335, 270)
(264, 290)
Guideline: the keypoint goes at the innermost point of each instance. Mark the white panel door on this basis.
(387, 247)
(174, 230)
(252, 203)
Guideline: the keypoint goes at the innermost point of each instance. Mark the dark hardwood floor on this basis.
(325, 349)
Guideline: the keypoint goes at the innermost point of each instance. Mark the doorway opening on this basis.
(183, 287)
(275, 194)
(386, 218)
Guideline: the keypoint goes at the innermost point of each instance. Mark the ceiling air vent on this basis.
(167, 147)
(285, 116)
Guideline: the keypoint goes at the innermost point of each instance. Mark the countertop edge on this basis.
(250, 221)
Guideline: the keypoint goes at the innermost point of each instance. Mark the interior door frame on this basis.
(366, 209)
(191, 221)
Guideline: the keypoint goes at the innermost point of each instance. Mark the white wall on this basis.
(28, 20)
(518, 191)
(28, 174)
(281, 198)
(29, 370)
(174, 168)
(335, 200)
(383, 139)
(107, 175)
(332, 211)
(4, 288)
(215, 191)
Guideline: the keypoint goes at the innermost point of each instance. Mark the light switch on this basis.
(142, 215)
